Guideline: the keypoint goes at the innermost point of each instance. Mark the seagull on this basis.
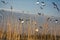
(11, 7)
(4, 2)
(37, 2)
(39, 13)
(20, 19)
(55, 5)
(56, 20)
(41, 7)
(48, 18)
(43, 3)
(57, 8)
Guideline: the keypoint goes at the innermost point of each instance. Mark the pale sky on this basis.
(30, 5)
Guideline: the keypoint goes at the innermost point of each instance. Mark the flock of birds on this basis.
(42, 4)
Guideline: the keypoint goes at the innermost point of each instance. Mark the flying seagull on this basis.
(57, 8)
(43, 3)
(4, 2)
(41, 7)
(55, 5)
(48, 18)
(20, 19)
(39, 13)
(37, 2)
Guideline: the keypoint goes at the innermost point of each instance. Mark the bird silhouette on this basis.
(4, 2)
(43, 3)
(55, 6)
(41, 7)
(39, 13)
